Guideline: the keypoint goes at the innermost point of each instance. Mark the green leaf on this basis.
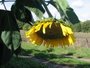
(66, 12)
(38, 13)
(10, 34)
(22, 14)
(32, 5)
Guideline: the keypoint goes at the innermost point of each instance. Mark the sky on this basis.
(81, 8)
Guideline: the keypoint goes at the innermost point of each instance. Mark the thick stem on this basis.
(4, 6)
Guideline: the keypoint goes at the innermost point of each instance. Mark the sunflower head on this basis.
(50, 32)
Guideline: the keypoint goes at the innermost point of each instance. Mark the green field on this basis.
(58, 55)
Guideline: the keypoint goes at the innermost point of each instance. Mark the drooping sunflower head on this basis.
(51, 33)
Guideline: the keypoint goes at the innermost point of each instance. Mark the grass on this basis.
(58, 55)
(23, 63)
(58, 51)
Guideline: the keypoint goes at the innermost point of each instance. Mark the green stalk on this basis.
(45, 6)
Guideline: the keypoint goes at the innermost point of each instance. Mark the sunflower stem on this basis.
(4, 6)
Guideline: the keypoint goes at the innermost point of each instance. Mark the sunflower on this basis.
(51, 33)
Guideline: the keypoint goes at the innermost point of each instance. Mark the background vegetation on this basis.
(68, 56)
(82, 26)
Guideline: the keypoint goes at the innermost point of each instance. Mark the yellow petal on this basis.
(63, 29)
(69, 30)
(44, 27)
(38, 27)
(50, 24)
(66, 30)
(71, 39)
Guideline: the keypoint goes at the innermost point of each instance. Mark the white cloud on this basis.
(84, 16)
(77, 3)
(7, 4)
(1, 6)
(81, 8)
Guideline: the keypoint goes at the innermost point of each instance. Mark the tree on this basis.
(10, 39)
(85, 26)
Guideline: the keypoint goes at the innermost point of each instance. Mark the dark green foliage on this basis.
(5, 53)
(10, 39)
(22, 14)
(22, 10)
(10, 34)
(31, 3)
(71, 16)
(24, 63)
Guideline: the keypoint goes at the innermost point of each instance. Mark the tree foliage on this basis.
(85, 26)
(82, 26)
